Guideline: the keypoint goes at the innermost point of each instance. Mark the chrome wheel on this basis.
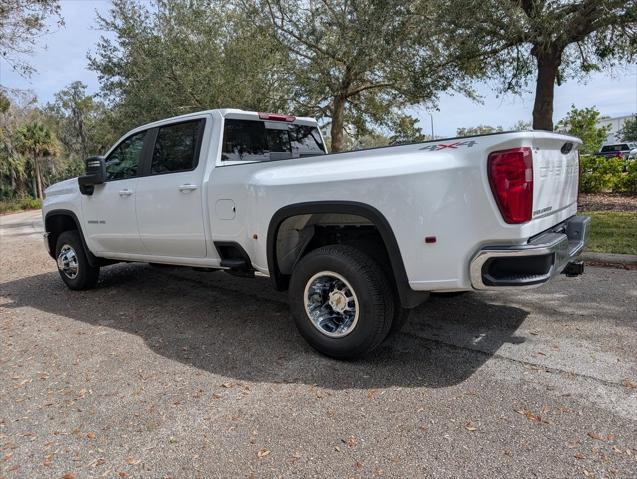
(67, 261)
(331, 304)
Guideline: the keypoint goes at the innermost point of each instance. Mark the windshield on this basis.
(256, 140)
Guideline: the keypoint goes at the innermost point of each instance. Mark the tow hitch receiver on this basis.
(573, 268)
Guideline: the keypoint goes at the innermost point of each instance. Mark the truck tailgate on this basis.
(555, 174)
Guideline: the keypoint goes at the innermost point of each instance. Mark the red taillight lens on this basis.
(511, 179)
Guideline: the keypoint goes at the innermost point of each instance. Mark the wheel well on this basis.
(59, 221)
(55, 225)
(300, 234)
(297, 229)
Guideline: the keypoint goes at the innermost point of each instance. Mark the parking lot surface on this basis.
(169, 372)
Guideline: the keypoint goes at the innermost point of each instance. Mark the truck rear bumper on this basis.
(534, 263)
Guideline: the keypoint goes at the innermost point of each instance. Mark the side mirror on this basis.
(95, 174)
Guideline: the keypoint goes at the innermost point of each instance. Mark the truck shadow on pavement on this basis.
(241, 329)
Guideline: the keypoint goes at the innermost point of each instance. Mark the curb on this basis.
(609, 258)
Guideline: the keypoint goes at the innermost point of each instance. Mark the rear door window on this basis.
(255, 140)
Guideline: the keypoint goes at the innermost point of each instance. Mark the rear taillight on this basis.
(511, 179)
(276, 117)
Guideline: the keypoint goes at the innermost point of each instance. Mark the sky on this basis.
(61, 58)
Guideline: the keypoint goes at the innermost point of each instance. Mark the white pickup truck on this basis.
(357, 238)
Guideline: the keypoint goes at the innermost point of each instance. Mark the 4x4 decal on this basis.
(450, 146)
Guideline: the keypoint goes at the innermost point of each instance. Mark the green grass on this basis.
(11, 206)
(613, 231)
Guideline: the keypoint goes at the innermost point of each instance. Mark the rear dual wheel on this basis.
(342, 302)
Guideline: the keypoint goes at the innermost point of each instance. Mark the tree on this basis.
(73, 104)
(478, 130)
(406, 131)
(21, 23)
(371, 140)
(37, 141)
(358, 64)
(82, 122)
(551, 40)
(5, 103)
(582, 123)
(628, 131)
(14, 166)
(163, 58)
(522, 125)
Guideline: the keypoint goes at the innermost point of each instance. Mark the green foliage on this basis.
(628, 182)
(31, 157)
(39, 147)
(582, 123)
(599, 174)
(371, 140)
(357, 65)
(165, 58)
(406, 131)
(36, 141)
(5, 103)
(628, 132)
(82, 123)
(522, 125)
(547, 41)
(9, 206)
(36, 138)
(353, 65)
(478, 130)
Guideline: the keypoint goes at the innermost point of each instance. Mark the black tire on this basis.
(86, 276)
(376, 303)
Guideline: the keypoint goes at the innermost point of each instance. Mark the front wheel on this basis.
(341, 301)
(73, 264)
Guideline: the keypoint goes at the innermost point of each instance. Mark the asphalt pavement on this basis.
(169, 372)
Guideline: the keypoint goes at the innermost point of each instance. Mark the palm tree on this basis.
(37, 140)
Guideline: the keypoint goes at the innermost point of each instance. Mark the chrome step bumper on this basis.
(534, 263)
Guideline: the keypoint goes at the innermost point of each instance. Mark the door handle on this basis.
(125, 192)
(187, 187)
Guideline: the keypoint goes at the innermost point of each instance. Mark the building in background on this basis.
(616, 123)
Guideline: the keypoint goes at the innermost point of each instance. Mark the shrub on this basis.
(628, 181)
(18, 204)
(30, 204)
(601, 174)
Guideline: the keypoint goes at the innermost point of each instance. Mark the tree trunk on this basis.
(338, 124)
(38, 177)
(82, 135)
(548, 63)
